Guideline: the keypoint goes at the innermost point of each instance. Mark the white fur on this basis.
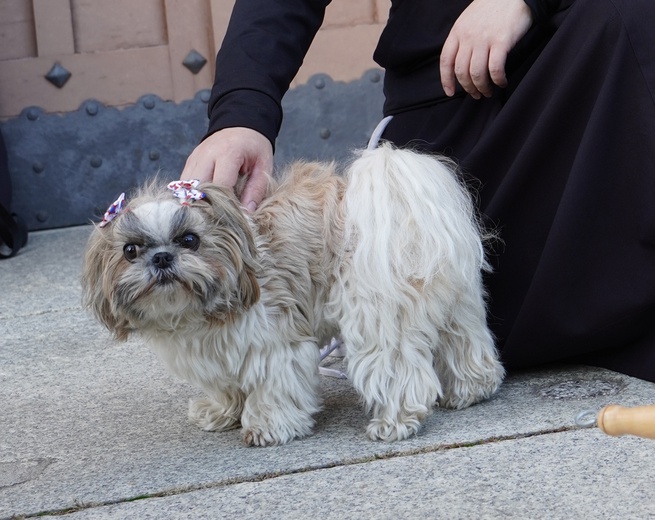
(389, 256)
(410, 293)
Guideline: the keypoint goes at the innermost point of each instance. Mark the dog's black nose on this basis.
(162, 260)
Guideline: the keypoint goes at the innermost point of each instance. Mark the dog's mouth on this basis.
(169, 280)
(165, 278)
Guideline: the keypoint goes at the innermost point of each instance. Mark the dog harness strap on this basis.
(374, 141)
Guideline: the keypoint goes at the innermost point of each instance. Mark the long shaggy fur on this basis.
(388, 256)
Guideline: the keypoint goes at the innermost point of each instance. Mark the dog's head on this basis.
(171, 257)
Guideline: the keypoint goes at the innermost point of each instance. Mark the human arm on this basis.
(263, 49)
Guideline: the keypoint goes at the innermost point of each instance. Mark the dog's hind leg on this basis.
(390, 364)
(466, 358)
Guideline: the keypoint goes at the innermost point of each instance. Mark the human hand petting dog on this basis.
(476, 49)
(231, 152)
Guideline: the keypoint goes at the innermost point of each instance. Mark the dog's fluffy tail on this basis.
(409, 218)
(412, 304)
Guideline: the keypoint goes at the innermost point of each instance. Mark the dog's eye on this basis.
(130, 251)
(189, 241)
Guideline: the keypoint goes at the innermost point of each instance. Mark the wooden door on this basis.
(113, 51)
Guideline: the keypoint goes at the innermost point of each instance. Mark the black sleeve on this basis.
(542, 9)
(265, 44)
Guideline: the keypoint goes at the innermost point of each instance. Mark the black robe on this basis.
(563, 159)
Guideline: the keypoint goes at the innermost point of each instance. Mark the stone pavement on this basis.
(91, 428)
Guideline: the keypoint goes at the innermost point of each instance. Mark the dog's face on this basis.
(161, 263)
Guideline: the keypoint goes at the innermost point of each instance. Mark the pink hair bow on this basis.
(116, 207)
(186, 190)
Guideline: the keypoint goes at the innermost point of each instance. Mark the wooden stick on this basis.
(618, 420)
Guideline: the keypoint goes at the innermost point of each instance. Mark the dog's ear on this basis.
(237, 239)
(97, 288)
(248, 287)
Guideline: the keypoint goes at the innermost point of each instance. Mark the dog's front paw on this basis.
(389, 431)
(262, 432)
(212, 416)
(257, 437)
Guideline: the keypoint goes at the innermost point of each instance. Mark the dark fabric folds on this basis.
(565, 160)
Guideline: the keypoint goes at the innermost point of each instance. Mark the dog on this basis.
(387, 255)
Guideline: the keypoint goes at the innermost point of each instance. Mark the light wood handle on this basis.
(619, 420)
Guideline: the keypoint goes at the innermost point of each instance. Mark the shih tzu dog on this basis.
(387, 256)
